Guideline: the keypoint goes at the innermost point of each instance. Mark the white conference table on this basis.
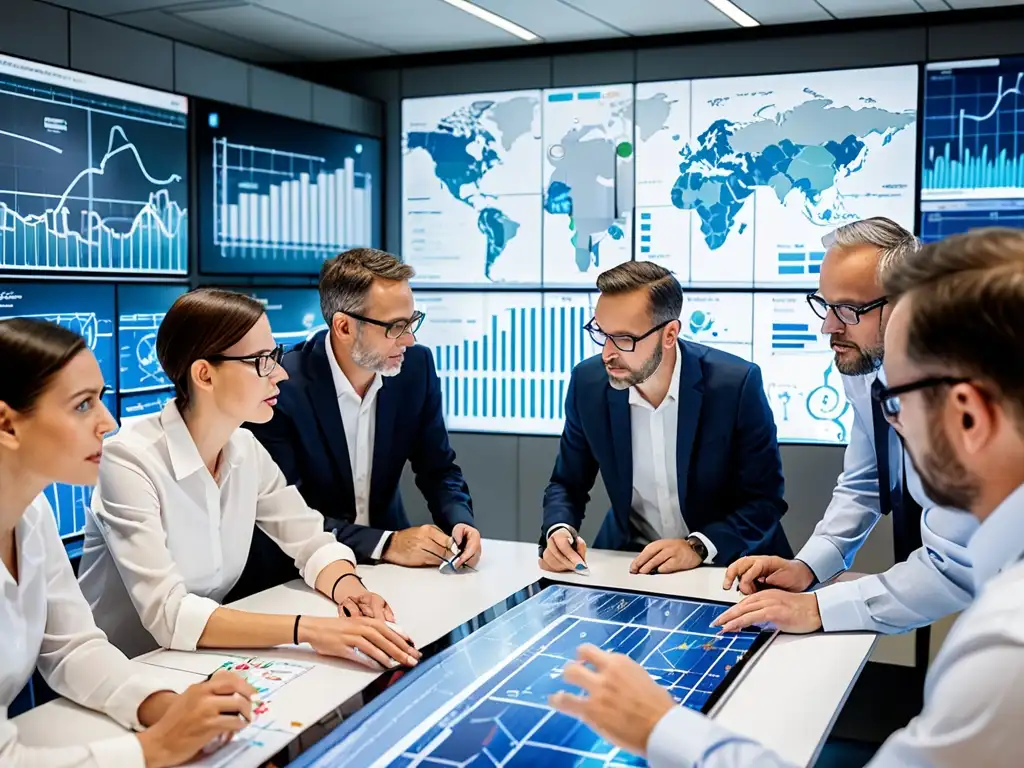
(807, 678)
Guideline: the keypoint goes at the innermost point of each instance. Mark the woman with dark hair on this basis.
(179, 494)
(52, 423)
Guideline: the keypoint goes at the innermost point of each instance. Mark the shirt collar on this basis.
(182, 450)
(342, 386)
(999, 541)
(635, 398)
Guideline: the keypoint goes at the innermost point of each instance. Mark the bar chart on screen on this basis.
(272, 205)
(504, 359)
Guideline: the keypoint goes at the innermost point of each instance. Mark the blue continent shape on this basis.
(558, 198)
(499, 230)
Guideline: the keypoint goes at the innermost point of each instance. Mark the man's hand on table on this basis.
(759, 571)
(621, 702)
(796, 613)
(665, 556)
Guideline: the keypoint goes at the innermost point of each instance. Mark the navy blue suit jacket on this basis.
(306, 438)
(728, 465)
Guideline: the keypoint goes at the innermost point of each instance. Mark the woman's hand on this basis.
(354, 599)
(216, 708)
(369, 642)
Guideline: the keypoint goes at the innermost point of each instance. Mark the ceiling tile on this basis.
(552, 20)
(283, 32)
(653, 17)
(848, 9)
(959, 4)
(934, 5)
(789, 12)
(404, 26)
(185, 31)
(110, 7)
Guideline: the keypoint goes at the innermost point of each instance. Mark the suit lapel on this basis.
(691, 394)
(324, 399)
(387, 409)
(622, 442)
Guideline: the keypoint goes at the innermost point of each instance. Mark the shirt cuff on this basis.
(379, 549)
(556, 526)
(681, 739)
(327, 554)
(123, 705)
(822, 557)
(712, 549)
(119, 752)
(843, 606)
(193, 613)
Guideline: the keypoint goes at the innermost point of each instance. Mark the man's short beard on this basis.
(867, 361)
(372, 361)
(642, 374)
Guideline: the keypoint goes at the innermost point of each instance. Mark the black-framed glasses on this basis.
(264, 363)
(889, 397)
(848, 314)
(396, 328)
(625, 342)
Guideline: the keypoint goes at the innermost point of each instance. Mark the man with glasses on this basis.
(682, 434)
(361, 401)
(928, 582)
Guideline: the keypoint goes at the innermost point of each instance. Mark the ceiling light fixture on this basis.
(735, 13)
(492, 18)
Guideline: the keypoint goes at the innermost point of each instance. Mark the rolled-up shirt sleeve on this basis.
(687, 739)
(297, 529)
(128, 510)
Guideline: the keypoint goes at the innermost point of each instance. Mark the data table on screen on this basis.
(471, 188)
(504, 359)
(972, 148)
(140, 310)
(765, 166)
(281, 196)
(803, 386)
(589, 173)
(93, 173)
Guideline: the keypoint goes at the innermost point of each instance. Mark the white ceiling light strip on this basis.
(735, 13)
(492, 18)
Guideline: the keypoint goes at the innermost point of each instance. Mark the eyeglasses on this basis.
(625, 342)
(395, 329)
(848, 314)
(889, 397)
(265, 363)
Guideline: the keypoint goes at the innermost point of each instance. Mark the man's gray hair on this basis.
(894, 243)
(345, 280)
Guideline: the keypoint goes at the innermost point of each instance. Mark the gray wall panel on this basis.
(475, 78)
(1004, 38)
(860, 49)
(347, 111)
(34, 31)
(393, 176)
(112, 50)
(210, 75)
(285, 95)
(593, 69)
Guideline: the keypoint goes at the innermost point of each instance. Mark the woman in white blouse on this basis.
(180, 491)
(52, 423)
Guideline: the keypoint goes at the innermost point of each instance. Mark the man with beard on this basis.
(360, 401)
(929, 581)
(682, 434)
(955, 372)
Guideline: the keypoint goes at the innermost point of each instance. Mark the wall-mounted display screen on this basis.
(280, 196)
(140, 310)
(93, 173)
(294, 313)
(972, 147)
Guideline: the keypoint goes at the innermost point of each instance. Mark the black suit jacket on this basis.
(306, 438)
(729, 469)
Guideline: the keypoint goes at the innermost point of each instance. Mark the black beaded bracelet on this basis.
(338, 581)
(295, 631)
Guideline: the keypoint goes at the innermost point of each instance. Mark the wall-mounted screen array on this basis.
(294, 313)
(972, 147)
(278, 196)
(727, 182)
(93, 173)
(504, 358)
(119, 324)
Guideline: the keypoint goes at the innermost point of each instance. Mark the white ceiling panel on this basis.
(110, 7)
(656, 17)
(405, 26)
(553, 20)
(784, 12)
(959, 4)
(848, 9)
(934, 5)
(284, 32)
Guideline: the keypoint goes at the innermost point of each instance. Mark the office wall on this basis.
(46, 33)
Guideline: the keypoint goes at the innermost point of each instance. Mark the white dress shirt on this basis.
(935, 580)
(359, 417)
(45, 621)
(974, 692)
(165, 543)
(655, 511)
